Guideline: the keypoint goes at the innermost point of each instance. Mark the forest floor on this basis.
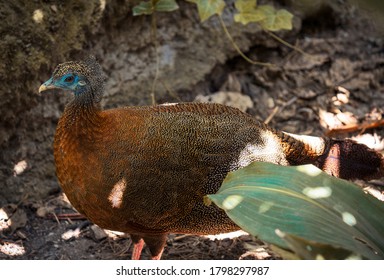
(340, 85)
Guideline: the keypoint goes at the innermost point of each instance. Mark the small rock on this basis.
(12, 217)
(43, 211)
(342, 96)
(21, 234)
(71, 234)
(232, 84)
(12, 249)
(305, 93)
(20, 167)
(54, 8)
(97, 233)
(5, 221)
(346, 118)
(304, 62)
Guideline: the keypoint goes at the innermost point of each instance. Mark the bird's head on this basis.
(83, 78)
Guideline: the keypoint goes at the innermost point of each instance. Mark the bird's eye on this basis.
(69, 79)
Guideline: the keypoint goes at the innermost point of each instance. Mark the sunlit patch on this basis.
(223, 236)
(265, 206)
(71, 234)
(20, 167)
(319, 257)
(102, 4)
(117, 193)
(38, 16)
(309, 169)
(4, 220)
(349, 219)
(232, 201)
(12, 249)
(169, 104)
(318, 192)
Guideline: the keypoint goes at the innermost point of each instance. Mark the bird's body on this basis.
(145, 170)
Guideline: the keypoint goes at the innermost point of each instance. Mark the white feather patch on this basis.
(117, 193)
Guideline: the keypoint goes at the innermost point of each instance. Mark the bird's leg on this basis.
(158, 256)
(155, 244)
(137, 248)
(138, 244)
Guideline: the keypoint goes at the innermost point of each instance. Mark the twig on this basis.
(154, 39)
(272, 114)
(170, 91)
(355, 127)
(285, 43)
(70, 216)
(180, 237)
(56, 218)
(238, 49)
(278, 109)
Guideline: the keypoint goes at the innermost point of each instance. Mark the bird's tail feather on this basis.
(345, 159)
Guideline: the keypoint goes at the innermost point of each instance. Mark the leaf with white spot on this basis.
(311, 210)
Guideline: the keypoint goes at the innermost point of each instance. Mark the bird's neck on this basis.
(81, 119)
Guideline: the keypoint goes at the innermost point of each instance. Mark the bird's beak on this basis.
(47, 85)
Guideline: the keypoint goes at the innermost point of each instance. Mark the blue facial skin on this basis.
(70, 81)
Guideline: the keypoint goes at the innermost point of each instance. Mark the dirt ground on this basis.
(339, 85)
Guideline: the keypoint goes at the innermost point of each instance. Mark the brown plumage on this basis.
(145, 170)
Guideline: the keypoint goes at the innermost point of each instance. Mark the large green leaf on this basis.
(306, 205)
(307, 249)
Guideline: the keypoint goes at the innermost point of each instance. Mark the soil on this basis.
(336, 89)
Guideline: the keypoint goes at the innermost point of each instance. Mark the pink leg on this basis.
(155, 243)
(137, 248)
(158, 256)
